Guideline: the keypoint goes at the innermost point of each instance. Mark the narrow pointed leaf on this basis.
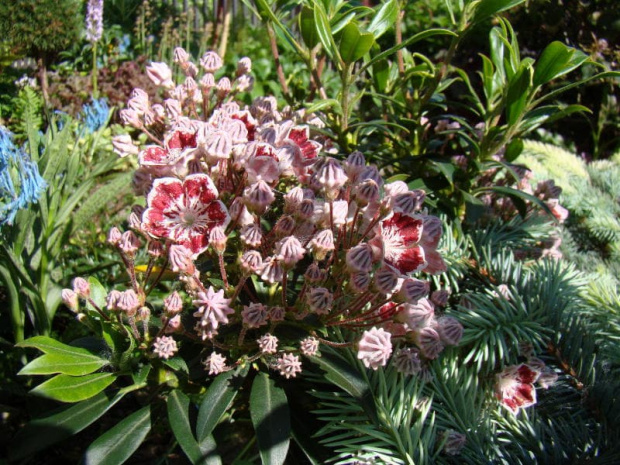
(178, 416)
(218, 398)
(75, 365)
(270, 417)
(43, 432)
(74, 388)
(208, 447)
(487, 8)
(556, 60)
(307, 26)
(384, 19)
(116, 445)
(48, 345)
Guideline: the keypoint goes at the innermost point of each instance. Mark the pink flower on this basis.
(165, 347)
(215, 363)
(375, 348)
(184, 211)
(515, 387)
(160, 74)
(289, 365)
(398, 238)
(309, 346)
(268, 344)
(213, 308)
(254, 315)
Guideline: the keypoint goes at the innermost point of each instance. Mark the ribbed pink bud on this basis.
(320, 300)
(218, 146)
(207, 82)
(418, 315)
(165, 347)
(160, 74)
(111, 300)
(244, 66)
(290, 251)
(407, 361)
(431, 232)
(429, 342)
(268, 344)
(366, 192)
(314, 274)
(251, 261)
(70, 299)
(81, 288)
(293, 199)
(408, 202)
(251, 235)
(272, 271)
(237, 131)
(413, 290)
(331, 177)
(211, 62)
(181, 259)
(309, 346)
(240, 214)
(354, 164)
(129, 243)
(123, 145)
(258, 197)
(306, 209)
(359, 258)
(135, 223)
(254, 315)
(322, 243)
(289, 365)
(370, 172)
(223, 87)
(159, 111)
(190, 85)
(244, 83)
(174, 325)
(138, 101)
(129, 117)
(394, 188)
(375, 348)
(173, 304)
(218, 239)
(277, 313)
(114, 236)
(128, 301)
(180, 55)
(440, 297)
(450, 330)
(173, 109)
(359, 282)
(284, 226)
(155, 249)
(387, 281)
(144, 314)
(262, 106)
(215, 363)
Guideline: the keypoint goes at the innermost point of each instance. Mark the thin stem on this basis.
(94, 72)
(223, 270)
(276, 57)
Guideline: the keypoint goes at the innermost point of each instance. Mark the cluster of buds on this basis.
(273, 240)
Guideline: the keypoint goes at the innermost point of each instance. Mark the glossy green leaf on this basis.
(98, 293)
(177, 364)
(271, 419)
(513, 150)
(48, 345)
(68, 364)
(119, 443)
(323, 29)
(307, 26)
(384, 19)
(556, 60)
(74, 388)
(548, 114)
(339, 24)
(208, 447)
(178, 417)
(43, 432)
(218, 398)
(354, 44)
(519, 90)
(488, 8)
(323, 104)
(348, 378)
(519, 198)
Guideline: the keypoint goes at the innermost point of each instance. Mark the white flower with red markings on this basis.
(514, 387)
(398, 239)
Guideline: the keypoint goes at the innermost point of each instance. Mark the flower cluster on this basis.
(270, 234)
(94, 20)
(514, 386)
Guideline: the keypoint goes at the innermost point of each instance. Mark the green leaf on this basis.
(208, 447)
(519, 198)
(177, 364)
(118, 443)
(487, 8)
(384, 19)
(519, 89)
(218, 398)
(354, 44)
(324, 31)
(322, 104)
(556, 60)
(349, 379)
(308, 28)
(270, 417)
(513, 150)
(74, 388)
(178, 416)
(548, 114)
(98, 293)
(75, 365)
(445, 168)
(43, 432)
(48, 345)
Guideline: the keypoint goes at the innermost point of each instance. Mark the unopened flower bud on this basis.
(354, 164)
(359, 282)
(165, 347)
(129, 243)
(218, 239)
(359, 258)
(160, 74)
(223, 87)
(129, 117)
(314, 274)
(306, 209)
(289, 365)
(211, 62)
(251, 235)
(155, 249)
(244, 66)
(413, 290)
(81, 288)
(254, 315)
(320, 300)
(272, 271)
(207, 82)
(173, 304)
(129, 302)
(322, 243)
(277, 313)
(290, 251)
(124, 146)
(429, 342)
(309, 346)
(180, 55)
(138, 101)
(181, 259)
(251, 261)
(418, 315)
(174, 325)
(284, 226)
(268, 344)
(450, 330)
(258, 197)
(293, 199)
(387, 280)
(111, 300)
(70, 299)
(408, 202)
(114, 236)
(173, 109)
(366, 192)
(440, 297)
(215, 363)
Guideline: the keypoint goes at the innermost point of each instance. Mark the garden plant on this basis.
(308, 231)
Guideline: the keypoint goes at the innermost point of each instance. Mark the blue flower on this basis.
(95, 114)
(21, 183)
